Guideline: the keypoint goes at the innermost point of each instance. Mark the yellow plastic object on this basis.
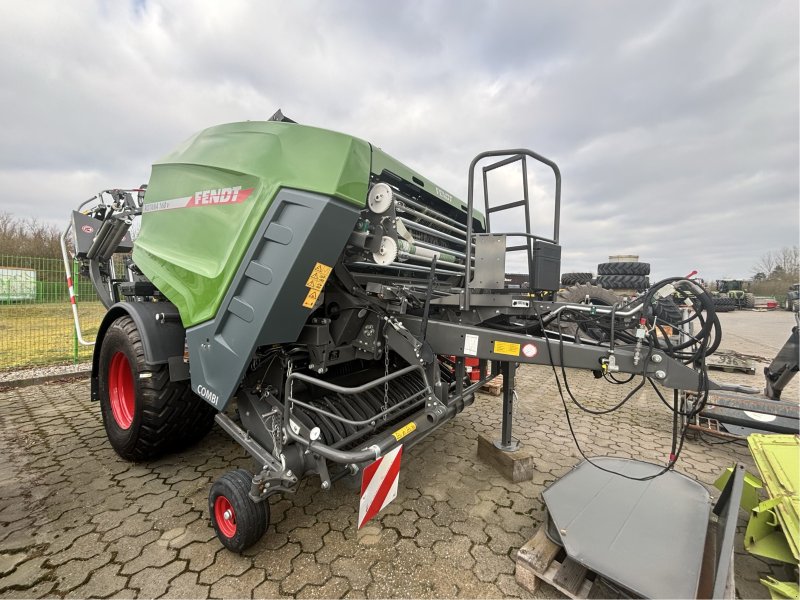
(781, 589)
(774, 528)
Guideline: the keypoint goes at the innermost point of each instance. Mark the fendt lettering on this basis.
(219, 196)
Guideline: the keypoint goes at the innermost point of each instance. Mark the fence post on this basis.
(74, 330)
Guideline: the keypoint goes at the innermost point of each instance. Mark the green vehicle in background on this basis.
(738, 290)
(793, 297)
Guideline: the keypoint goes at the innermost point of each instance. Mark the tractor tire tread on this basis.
(624, 282)
(624, 268)
(172, 416)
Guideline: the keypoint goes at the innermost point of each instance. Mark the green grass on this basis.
(43, 334)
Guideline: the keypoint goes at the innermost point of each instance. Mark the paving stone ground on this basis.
(77, 521)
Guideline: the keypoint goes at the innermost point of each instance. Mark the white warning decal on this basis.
(471, 345)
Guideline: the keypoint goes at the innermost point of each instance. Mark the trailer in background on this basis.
(17, 285)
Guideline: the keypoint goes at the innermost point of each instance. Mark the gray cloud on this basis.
(675, 124)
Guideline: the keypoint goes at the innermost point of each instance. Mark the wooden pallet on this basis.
(749, 370)
(494, 387)
(730, 363)
(542, 560)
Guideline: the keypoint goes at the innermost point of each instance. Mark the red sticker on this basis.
(87, 229)
(529, 350)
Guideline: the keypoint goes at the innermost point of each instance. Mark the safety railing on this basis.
(512, 156)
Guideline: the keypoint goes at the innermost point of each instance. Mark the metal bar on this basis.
(246, 442)
(353, 390)
(507, 442)
(502, 163)
(365, 422)
(379, 445)
(431, 219)
(429, 230)
(421, 207)
(403, 255)
(429, 293)
(71, 286)
(528, 224)
(448, 338)
(727, 509)
(460, 372)
(404, 267)
(508, 205)
(436, 248)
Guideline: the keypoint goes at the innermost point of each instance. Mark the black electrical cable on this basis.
(575, 400)
(677, 446)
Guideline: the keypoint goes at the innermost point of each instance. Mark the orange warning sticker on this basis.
(316, 281)
(311, 298)
(319, 275)
(508, 348)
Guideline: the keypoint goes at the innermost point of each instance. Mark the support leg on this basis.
(507, 443)
(783, 367)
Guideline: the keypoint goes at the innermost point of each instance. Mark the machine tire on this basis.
(575, 278)
(789, 304)
(624, 282)
(238, 521)
(144, 413)
(749, 300)
(624, 268)
(668, 311)
(724, 304)
(577, 295)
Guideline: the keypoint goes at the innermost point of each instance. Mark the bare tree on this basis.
(27, 237)
(780, 264)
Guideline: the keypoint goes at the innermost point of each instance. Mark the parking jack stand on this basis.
(505, 454)
(507, 443)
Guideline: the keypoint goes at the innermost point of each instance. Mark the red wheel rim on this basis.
(225, 517)
(121, 391)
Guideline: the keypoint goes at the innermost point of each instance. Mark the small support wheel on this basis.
(238, 521)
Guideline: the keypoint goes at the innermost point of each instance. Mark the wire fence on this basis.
(36, 324)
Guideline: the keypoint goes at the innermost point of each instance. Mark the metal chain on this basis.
(275, 432)
(386, 375)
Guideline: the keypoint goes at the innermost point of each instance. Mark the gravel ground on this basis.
(76, 521)
(21, 375)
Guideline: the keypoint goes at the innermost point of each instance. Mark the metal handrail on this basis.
(514, 154)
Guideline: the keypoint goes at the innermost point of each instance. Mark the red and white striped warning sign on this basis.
(379, 485)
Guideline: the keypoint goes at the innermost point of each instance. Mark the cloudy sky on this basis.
(675, 124)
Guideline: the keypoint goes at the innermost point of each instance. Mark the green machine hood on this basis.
(206, 199)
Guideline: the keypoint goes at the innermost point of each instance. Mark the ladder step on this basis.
(507, 206)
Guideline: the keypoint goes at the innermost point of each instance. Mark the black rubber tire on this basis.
(624, 282)
(250, 519)
(577, 295)
(749, 300)
(668, 311)
(623, 268)
(167, 415)
(575, 278)
(723, 303)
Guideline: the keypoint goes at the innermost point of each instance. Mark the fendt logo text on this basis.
(228, 195)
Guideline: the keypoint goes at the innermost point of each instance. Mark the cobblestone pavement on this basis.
(76, 521)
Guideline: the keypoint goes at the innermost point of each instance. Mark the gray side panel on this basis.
(264, 304)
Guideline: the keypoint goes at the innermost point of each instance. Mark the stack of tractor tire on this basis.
(624, 276)
(568, 279)
(724, 303)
